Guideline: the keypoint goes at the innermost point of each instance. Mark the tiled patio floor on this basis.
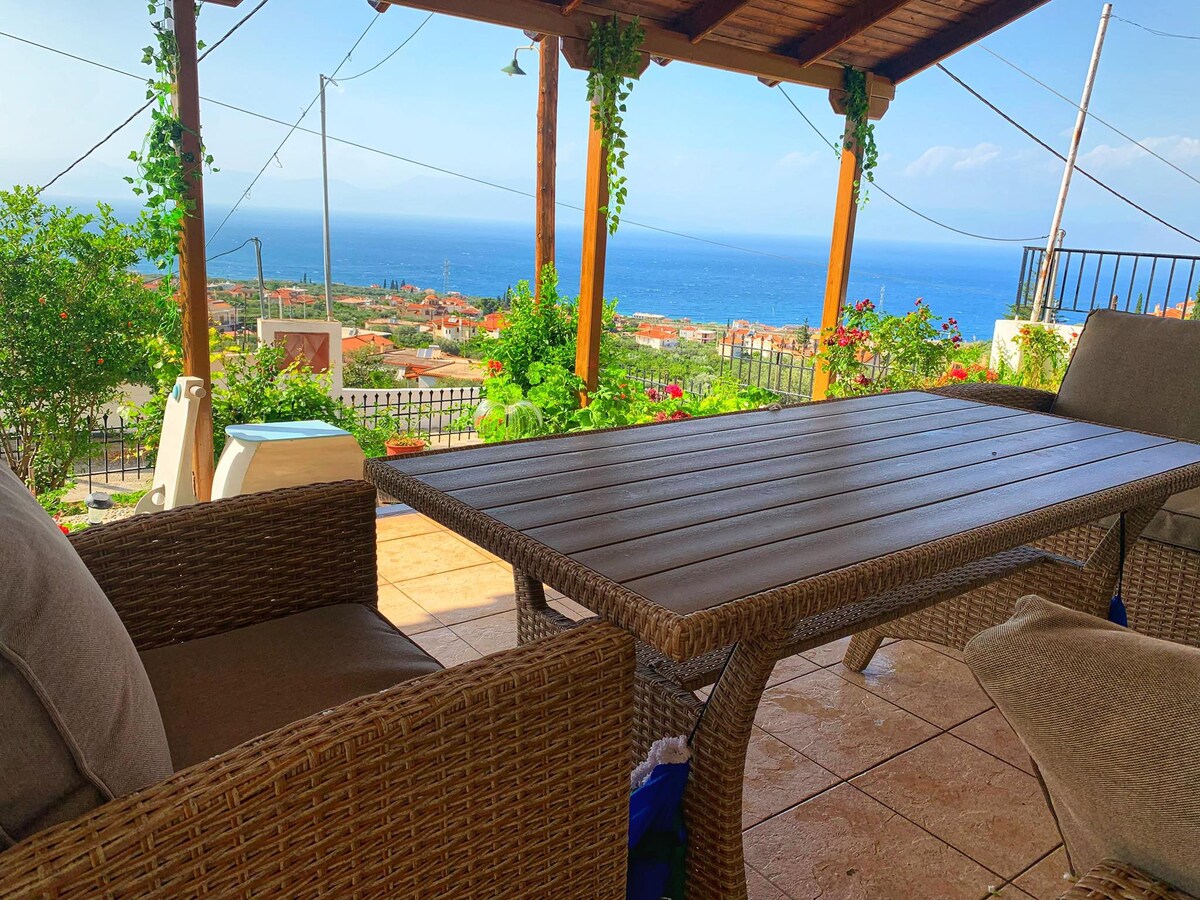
(899, 782)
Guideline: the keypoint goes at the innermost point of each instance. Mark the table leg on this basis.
(713, 804)
(535, 617)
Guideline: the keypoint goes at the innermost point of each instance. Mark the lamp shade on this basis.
(513, 69)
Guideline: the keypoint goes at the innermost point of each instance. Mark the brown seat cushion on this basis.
(1112, 720)
(78, 721)
(1141, 372)
(219, 691)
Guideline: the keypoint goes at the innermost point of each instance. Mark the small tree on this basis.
(73, 321)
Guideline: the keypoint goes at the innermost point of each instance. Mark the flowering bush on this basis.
(1044, 354)
(869, 352)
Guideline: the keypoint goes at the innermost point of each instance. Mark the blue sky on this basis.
(710, 151)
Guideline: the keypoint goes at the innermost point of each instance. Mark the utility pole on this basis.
(1039, 293)
(262, 290)
(325, 184)
(445, 277)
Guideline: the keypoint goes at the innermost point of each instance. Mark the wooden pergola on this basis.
(806, 42)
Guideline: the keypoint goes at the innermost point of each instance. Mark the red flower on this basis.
(958, 372)
(653, 395)
(62, 315)
(100, 361)
(41, 299)
(495, 367)
(992, 375)
(679, 414)
(674, 391)
(660, 416)
(861, 380)
(63, 528)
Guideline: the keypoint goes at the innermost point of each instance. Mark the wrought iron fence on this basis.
(442, 414)
(114, 452)
(1160, 284)
(782, 373)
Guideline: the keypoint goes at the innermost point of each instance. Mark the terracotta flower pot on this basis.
(397, 448)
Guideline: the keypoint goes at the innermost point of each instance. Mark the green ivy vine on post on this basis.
(161, 175)
(615, 60)
(858, 106)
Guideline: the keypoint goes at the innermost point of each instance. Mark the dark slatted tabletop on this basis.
(681, 519)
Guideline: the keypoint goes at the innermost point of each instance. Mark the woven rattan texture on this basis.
(503, 777)
(1113, 880)
(205, 569)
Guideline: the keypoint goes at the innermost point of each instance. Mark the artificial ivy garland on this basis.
(858, 106)
(615, 61)
(162, 180)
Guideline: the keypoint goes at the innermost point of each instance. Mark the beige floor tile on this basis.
(1047, 879)
(952, 652)
(792, 667)
(926, 683)
(403, 525)
(490, 634)
(424, 554)
(838, 725)
(991, 734)
(463, 594)
(842, 845)
(828, 654)
(571, 609)
(402, 612)
(758, 888)
(777, 777)
(445, 646)
(991, 811)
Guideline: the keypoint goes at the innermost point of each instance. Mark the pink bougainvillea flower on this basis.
(674, 391)
(653, 395)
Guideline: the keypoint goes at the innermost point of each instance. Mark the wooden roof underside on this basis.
(800, 41)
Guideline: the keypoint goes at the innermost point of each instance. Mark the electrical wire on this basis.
(1186, 37)
(899, 202)
(1033, 137)
(1090, 114)
(141, 109)
(415, 162)
(390, 55)
(227, 252)
(291, 131)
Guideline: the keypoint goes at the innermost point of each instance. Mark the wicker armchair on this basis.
(1160, 581)
(507, 776)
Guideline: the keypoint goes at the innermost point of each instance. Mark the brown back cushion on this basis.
(1141, 372)
(79, 721)
(1112, 720)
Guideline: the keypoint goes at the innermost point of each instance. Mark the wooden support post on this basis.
(844, 215)
(547, 154)
(591, 270)
(193, 275)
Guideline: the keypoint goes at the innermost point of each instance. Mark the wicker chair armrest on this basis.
(506, 776)
(205, 569)
(1111, 879)
(1000, 394)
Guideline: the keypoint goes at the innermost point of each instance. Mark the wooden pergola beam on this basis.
(546, 18)
(547, 154)
(862, 16)
(708, 15)
(193, 275)
(568, 6)
(591, 269)
(971, 29)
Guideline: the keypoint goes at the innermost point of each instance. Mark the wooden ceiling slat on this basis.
(861, 17)
(568, 6)
(697, 23)
(968, 31)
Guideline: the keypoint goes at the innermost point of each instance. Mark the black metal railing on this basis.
(114, 451)
(1079, 281)
(785, 373)
(444, 415)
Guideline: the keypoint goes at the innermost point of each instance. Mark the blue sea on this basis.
(782, 282)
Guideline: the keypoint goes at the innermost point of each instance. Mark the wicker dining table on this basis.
(727, 543)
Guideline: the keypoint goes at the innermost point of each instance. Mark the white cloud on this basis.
(957, 159)
(799, 160)
(1175, 147)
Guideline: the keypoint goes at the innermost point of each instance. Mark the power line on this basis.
(390, 55)
(415, 162)
(291, 131)
(141, 109)
(896, 200)
(227, 252)
(1033, 137)
(1090, 114)
(1186, 37)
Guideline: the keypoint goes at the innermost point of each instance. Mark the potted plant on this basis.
(399, 442)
